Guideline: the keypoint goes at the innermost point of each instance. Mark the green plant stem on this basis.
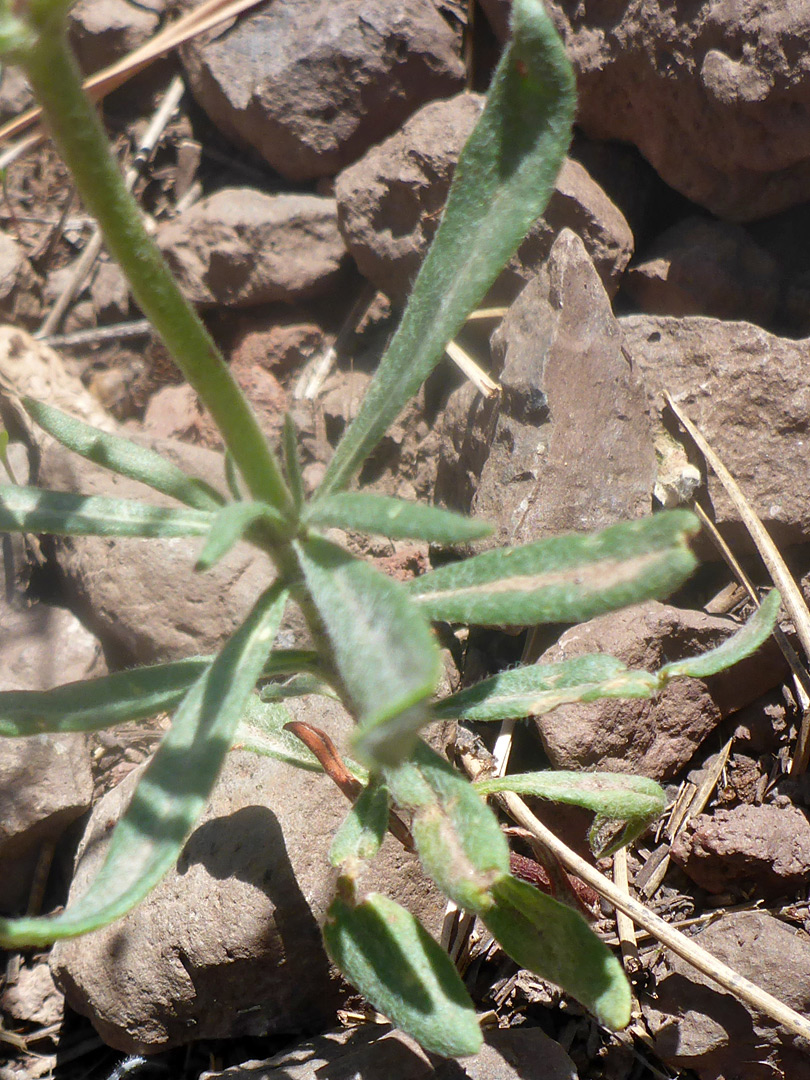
(76, 129)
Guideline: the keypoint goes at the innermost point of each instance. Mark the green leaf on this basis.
(457, 836)
(502, 184)
(395, 518)
(261, 731)
(383, 650)
(615, 798)
(174, 789)
(298, 686)
(393, 961)
(539, 688)
(123, 456)
(364, 828)
(292, 463)
(232, 522)
(746, 641)
(555, 942)
(566, 578)
(61, 513)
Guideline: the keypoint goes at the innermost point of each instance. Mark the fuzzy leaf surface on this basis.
(395, 518)
(393, 961)
(566, 578)
(123, 456)
(382, 648)
(174, 789)
(502, 183)
(364, 828)
(261, 731)
(60, 513)
(231, 523)
(555, 942)
(457, 836)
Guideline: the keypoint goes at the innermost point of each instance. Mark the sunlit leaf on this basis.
(365, 826)
(232, 523)
(261, 731)
(400, 520)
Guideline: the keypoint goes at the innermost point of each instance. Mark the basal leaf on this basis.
(566, 578)
(383, 650)
(365, 826)
(261, 731)
(395, 518)
(555, 942)
(457, 836)
(61, 513)
(230, 525)
(502, 183)
(123, 456)
(393, 961)
(173, 790)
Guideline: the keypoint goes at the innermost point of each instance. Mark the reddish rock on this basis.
(759, 849)
(241, 247)
(567, 444)
(704, 267)
(654, 737)
(390, 203)
(277, 79)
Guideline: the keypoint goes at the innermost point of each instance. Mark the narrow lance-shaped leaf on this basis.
(395, 518)
(173, 790)
(123, 456)
(61, 513)
(457, 836)
(383, 650)
(564, 578)
(261, 731)
(393, 961)
(538, 688)
(292, 462)
(364, 828)
(123, 696)
(555, 942)
(230, 525)
(502, 183)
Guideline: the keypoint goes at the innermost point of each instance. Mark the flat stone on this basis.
(277, 79)
(567, 444)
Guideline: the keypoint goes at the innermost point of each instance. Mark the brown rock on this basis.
(390, 203)
(703, 267)
(375, 1053)
(241, 247)
(32, 997)
(102, 31)
(19, 284)
(747, 392)
(764, 849)
(228, 944)
(716, 97)
(658, 737)
(567, 445)
(697, 1025)
(277, 81)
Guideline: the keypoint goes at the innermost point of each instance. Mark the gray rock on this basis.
(241, 248)
(747, 391)
(228, 943)
(102, 31)
(390, 202)
(655, 738)
(19, 284)
(567, 445)
(716, 96)
(704, 267)
(375, 1053)
(277, 80)
(766, 848)
(697, 1025)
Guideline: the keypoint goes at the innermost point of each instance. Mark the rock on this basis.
(390, 203)
(109, 292)
(497, 13)
(697, 1025)
(786, 238)
(703, 267)
(16, 95)
(766, 848)
(375, 1053)
(19, 284)
(241, 247)
(567, 445)
(228, 944)
(716, 97)
(32, 997)
(276, 80)
(281, 342)
(102, 31)
(747, 391)
(655, 738)
(143, 596)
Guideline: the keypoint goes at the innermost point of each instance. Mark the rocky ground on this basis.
(294, 193)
